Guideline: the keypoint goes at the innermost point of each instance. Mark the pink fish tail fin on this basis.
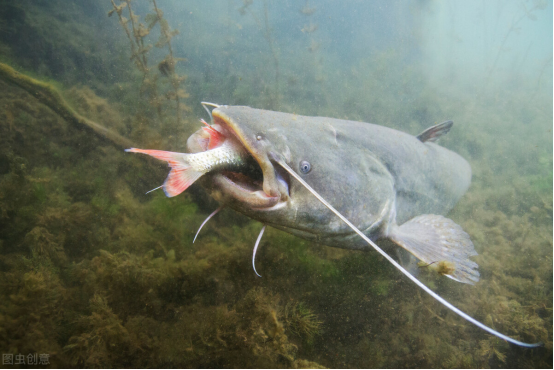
(181, 175)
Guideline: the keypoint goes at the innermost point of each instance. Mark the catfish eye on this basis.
(259, 137)
(305, 167)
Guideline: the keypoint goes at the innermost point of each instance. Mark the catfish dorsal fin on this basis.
(281, 162)
(433, 133)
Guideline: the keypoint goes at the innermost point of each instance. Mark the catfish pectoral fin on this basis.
(441, 244)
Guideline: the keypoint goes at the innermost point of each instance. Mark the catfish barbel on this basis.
(372, 183)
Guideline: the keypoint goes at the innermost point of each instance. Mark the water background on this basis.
(95, 273)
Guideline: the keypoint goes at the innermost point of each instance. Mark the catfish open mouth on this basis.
(256, 183)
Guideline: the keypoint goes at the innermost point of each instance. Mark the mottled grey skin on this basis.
(375, 176)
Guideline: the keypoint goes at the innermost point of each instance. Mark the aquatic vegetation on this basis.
(49, 96)
(104, 338)
(526, 14)
(137, 33)
(43, 244)
(301, 320)
(441, 267)
(31, 314)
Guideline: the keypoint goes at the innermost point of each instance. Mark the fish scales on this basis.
(226, 156)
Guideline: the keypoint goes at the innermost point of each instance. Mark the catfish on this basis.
(372, 182)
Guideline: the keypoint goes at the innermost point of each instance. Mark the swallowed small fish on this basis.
(373, 183)
(221, 154)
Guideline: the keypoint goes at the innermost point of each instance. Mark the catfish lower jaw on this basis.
(233, 185)
(236, 187)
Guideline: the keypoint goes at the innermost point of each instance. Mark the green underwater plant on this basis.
(31, 314)
(48, 95)
(301, 320)
(526, 13)
(103, 340)
(138, 34)
(43, 244)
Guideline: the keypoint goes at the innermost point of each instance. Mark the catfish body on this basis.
(386, 183)
(374, 175)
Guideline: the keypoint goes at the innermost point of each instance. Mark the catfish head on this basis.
(358, 185)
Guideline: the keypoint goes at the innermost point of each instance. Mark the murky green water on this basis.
(95, 273)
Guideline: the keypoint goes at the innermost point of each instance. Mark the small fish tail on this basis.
(181, 175)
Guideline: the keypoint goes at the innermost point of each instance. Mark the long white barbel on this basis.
(206, 220)
(255, 249)
(205, 104)
(395, 264)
